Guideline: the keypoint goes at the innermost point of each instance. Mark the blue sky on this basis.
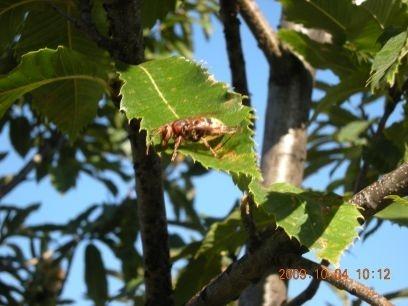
(215, 192)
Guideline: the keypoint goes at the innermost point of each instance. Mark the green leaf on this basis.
(324, 223)
(68, 86)
(397, 133)
(11, 22)
(20, 130)
(387, 61)
(95, 276)
(344, 20)
(223, 237)
(339, 116)
(387, 12)
(64, 175)
(46, 28)
(348, 86)
(396, 212)
(162, 91)
(100, 17)
(184, 252)
(153, 10)
(383, 154)
(352, 131)
(197, 273)
(226, 235)
(321, 56)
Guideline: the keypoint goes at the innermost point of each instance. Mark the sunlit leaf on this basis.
(387, 61)
(162, 91)
(396, 212)
(324, 223)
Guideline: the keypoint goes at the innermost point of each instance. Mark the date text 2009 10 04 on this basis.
(361, 274)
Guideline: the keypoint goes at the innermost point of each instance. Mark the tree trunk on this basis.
(127, 34)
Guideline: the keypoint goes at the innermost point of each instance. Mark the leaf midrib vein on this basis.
(157, 89)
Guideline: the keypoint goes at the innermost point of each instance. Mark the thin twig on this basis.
(367, 234)
(228, 12)
(402, 293)
(265, 36)
(309, 292)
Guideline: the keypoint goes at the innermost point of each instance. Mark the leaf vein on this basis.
(159, 92)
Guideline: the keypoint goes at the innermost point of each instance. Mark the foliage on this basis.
(363, 42)
(397, 212)
(324, 223)
(58, 105)
(388, 60)
(70, 82)
(176, 89)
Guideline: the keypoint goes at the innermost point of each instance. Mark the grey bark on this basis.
(283, 152)
(284, 149)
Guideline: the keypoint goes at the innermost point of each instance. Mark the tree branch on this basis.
(403, 293)
(309, 292)
(127, 32)
(265, 36)
(228, 12)
(229, 284)
(284, 141)
(372, 198)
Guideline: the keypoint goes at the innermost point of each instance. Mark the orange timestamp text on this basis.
(361, 274)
